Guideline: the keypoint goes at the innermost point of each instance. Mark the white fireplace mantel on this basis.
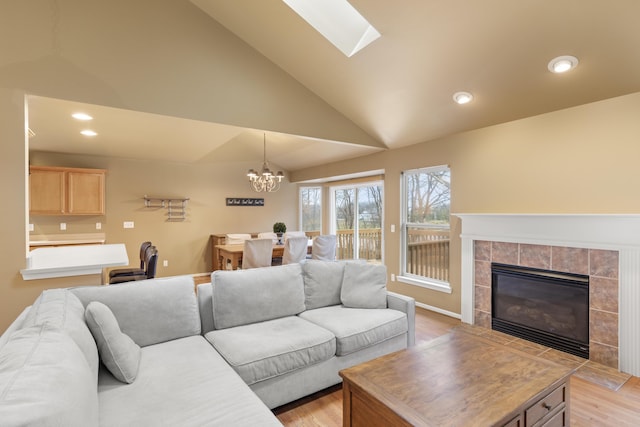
(592, 231)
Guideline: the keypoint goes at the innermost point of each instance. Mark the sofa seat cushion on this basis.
(358, 328)
(260, 351)
(184, 383)
(45, 380)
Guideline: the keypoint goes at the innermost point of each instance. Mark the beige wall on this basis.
(578, 160)
(185, 244)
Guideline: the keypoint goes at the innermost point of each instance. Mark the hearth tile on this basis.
(483, 319)
(604, 263)
(505, 253)
(500, 337)
(482, 273)
(535, 256)
(603, 294)
(603, 327)
(482, 250)
(570, 260)
(605, 376)
(528, 347)
(483, 298)
(562, 358)
(603, 354)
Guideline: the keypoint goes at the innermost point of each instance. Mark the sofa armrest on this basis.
(406, 305)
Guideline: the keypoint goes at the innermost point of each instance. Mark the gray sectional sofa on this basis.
(155, 353)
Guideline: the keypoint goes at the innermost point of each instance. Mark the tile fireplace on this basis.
(605, 248)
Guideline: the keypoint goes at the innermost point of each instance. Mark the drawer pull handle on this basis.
(546, 406)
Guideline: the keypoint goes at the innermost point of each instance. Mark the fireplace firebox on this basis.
(547, 307)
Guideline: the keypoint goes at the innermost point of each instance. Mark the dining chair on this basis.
(269, 235)
(295, 250)
(324, 247)
(290, 234)
(237, 239)
(144, 247)
(257, 253)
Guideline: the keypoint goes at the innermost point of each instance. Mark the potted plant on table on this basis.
(279, 228)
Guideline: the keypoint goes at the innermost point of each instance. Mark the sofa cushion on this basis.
(45, 380)
(183, 383)
(250, 296)
(150, 311)
(364, 285)
(264, 350)
(358, 328)
(322, 283)
(63, 309)
(117, 351)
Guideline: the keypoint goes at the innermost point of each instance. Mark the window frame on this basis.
(408, 278)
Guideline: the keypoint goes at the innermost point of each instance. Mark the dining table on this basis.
(231, 255)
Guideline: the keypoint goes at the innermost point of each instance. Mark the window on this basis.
(356, 219)
(425, 227)
(311, 209)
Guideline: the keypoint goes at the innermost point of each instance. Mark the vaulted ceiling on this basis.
(399, 89)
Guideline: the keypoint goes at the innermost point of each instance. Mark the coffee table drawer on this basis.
(545, 406)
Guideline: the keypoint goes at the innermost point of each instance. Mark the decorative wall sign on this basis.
(244, 201)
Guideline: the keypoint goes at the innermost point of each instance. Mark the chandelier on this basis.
(266, 181)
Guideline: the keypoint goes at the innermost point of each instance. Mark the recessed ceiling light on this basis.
(562, 64)
(462, 97)
(81, 116)
(88, 132)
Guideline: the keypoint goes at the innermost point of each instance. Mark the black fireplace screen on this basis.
(547, 307)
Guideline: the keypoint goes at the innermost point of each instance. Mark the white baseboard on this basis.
(439, 310)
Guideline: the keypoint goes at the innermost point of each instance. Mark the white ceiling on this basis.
(399, 89)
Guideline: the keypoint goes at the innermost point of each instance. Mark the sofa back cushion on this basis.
(150, 311)
(364, 286)
(62, 309)
(45, 380)
(322, 283)
(248, 296)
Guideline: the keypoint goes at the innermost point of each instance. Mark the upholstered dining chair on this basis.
(290, 234)
(295, 250)
(257, 253)
(237, 239)
(269, 235)
(324, 247)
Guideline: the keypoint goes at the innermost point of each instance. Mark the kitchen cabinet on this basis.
(66, 191)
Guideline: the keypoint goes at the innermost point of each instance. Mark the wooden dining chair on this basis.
(257, 253)
(295, 250)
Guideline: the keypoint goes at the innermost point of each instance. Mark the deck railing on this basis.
(427, 252)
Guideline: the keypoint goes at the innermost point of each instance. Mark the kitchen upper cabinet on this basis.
(66, 191)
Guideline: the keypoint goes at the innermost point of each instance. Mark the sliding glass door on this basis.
(356, 213)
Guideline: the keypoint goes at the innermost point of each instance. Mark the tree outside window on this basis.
(426, 231)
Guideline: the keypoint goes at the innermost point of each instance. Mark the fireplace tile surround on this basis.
(600, 265)
(604, 246)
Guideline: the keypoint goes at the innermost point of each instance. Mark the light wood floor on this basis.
(591, 405)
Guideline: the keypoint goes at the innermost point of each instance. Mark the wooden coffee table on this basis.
(457, 380)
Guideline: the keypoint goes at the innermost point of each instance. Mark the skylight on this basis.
(338, 22)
